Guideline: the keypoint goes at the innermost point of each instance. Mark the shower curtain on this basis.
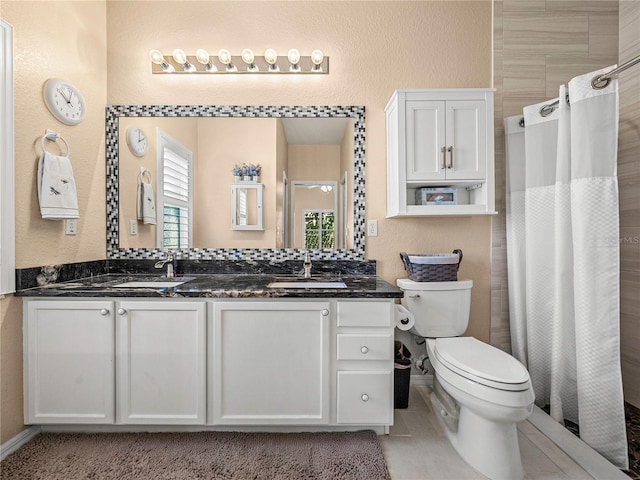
(563, 259)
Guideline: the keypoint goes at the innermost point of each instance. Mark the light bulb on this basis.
(202, 56)
(224, 56)
(294, 56)
(248, 56)
(271, 56)
(179, 56)
(317, 57)
(156, 57)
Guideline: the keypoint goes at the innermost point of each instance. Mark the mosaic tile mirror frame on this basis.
(113, 114)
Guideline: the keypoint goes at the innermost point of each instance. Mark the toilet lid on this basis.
(481, 363)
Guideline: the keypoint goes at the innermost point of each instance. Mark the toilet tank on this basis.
(441, 309)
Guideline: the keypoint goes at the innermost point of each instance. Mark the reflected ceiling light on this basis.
(248, 57)
(225, 58)
(180, 57)
(271, 57)
(294, 60)
(183, 63)
(157, 58)
(203, 58)
(317, 57)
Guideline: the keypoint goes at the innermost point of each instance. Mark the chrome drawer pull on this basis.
(121, 311)
(104, 312)
(364, 349)
(325, 312)
(364, 397)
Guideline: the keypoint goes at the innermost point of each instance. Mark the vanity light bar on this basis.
(224, 62)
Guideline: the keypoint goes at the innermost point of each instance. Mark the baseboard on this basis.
(581, 453)
(20, 439)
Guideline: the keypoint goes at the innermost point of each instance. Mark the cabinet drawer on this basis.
(364, 314)
(365, 397)
(364, 347)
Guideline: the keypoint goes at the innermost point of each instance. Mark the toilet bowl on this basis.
(480, 392)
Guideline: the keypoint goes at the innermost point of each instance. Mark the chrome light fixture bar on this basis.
(226, 63)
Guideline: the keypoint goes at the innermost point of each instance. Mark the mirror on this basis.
(317, 149)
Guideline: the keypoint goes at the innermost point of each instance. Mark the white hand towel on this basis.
(56, 188)
(146, 203)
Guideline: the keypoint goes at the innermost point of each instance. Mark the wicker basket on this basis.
(433, 268)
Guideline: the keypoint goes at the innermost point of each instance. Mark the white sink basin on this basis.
(165, 283)
(307, 285)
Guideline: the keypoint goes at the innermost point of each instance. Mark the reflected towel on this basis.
(56, 188)
(146, 204)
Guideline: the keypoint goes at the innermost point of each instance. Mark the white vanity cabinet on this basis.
(287, 362)
(440, 139)
(161, 362)
(69, 362)
(269, 362)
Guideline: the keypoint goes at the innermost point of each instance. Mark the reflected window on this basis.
(319, 229)
(175, 194)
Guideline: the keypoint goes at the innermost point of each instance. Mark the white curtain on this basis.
(563, 259)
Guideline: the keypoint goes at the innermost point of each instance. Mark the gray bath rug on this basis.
(201, 455)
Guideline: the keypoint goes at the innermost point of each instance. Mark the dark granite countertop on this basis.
(215, 286)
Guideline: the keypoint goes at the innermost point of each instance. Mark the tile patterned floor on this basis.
(633, 438)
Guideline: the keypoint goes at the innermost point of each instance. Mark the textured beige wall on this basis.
(538, 45)
(629, 181)
(374, 48)
(65, 40)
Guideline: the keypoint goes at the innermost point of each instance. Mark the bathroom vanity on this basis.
(210, 353)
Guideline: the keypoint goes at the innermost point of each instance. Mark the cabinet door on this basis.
(270, 363)
(68, 362)
(365, 397)
(466, 140)
(425, 137)
(160, 363)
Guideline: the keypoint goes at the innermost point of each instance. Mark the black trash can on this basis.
(401, 375)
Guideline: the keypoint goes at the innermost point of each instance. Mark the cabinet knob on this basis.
(364, 397)
(104, 312)
(364, 349)
(324, 312)
(121, 311)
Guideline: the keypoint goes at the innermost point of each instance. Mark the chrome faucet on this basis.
(168, 262)
(307, 265)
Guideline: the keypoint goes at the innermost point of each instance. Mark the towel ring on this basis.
(143, 172)
(53, 137)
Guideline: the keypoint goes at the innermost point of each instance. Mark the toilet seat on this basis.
(482, 363)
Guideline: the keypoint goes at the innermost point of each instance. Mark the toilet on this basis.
(479, 392)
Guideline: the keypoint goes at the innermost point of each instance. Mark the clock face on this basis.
(64, 101)
(137, 141)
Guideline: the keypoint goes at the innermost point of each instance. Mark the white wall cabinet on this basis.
(69, 362)
(440, 138)
(270, 362)
(161, 362)
(244, 362)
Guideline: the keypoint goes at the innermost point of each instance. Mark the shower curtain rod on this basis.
(598, 82)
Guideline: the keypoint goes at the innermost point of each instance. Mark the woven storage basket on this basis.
(433, 268)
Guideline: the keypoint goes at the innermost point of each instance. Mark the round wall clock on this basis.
(64, 101)
(137, 141)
